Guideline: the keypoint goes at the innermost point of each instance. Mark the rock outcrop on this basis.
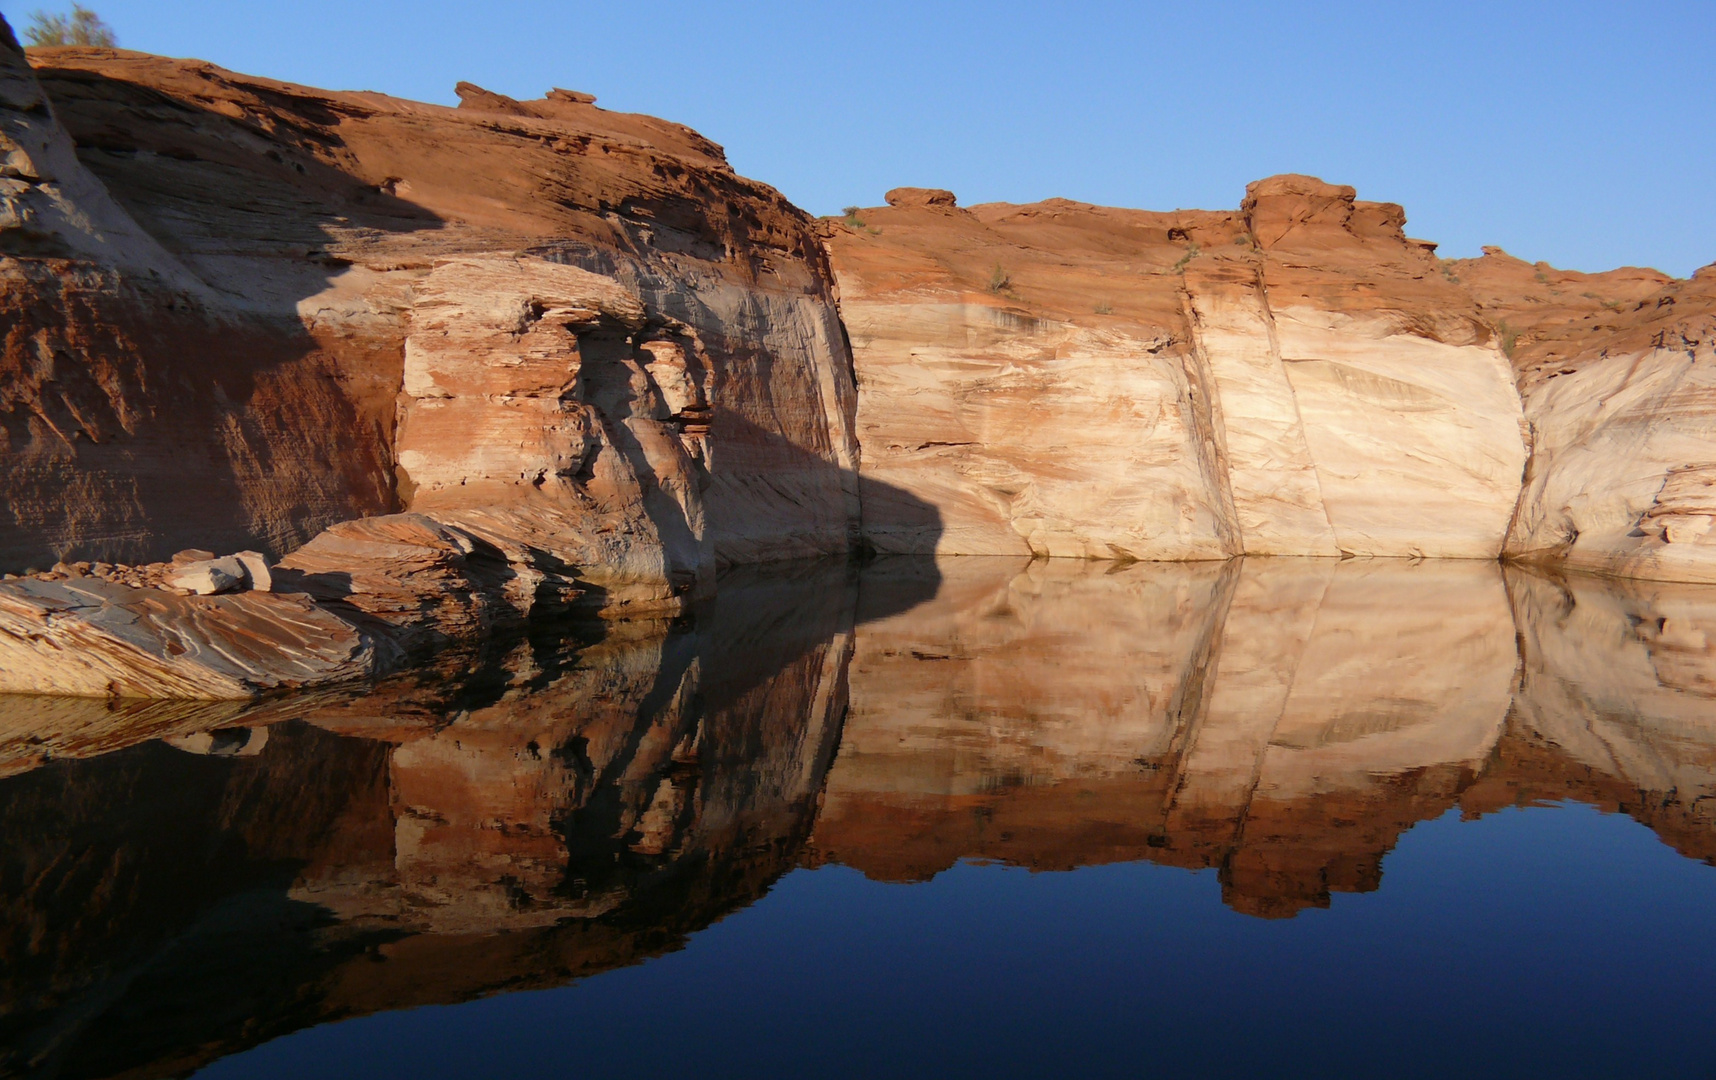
(291, 307)
(1297, 378)
(533, 354)
(1618, 388)
(428, 372)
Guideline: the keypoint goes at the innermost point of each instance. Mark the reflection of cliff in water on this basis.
(1282, 721)
(560, 808)
(563, 807)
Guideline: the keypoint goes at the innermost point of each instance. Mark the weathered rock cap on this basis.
(921, 196)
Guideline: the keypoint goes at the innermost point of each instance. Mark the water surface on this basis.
(980, 817)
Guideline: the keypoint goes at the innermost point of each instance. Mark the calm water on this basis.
(976, 818)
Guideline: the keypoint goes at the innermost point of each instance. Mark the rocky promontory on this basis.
(302, 385)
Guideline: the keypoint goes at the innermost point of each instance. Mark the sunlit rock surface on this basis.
(1295, 378)
(1623, 473)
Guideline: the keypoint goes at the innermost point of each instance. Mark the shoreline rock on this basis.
(458, 368)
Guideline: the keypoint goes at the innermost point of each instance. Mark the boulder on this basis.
(207, 577)
(256, 572)
(917, 196)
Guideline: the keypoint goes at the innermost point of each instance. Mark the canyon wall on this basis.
(1616, 371)
(237, 311)
(1296, 378)
(443, 369)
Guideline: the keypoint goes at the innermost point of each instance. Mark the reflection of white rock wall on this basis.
(1025, 673)
(1409, 665)
(1278, 677)
(1621, 676)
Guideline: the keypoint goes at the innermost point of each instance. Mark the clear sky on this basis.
(1577, 133)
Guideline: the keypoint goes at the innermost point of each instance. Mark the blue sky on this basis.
(1577, 133)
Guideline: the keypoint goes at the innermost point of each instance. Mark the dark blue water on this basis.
(990, 819)
(1554, 941)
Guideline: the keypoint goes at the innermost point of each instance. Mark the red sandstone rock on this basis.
(917, 196)
(244, 396)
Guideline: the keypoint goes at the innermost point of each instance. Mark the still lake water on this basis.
(981, 817)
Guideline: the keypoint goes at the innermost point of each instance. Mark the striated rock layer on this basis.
(1296, 378)
(241, 311)
(453, 368)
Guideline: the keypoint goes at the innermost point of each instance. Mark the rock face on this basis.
(1619, 390)
(1297, 378)
(261, 309)
(530, 353)
(459, 367)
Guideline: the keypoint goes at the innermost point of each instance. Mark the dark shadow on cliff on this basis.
(152, 415)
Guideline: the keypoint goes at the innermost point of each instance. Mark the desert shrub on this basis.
(81, 27)
(1103, 307)
(999, 279)
(1507, 337)
(1191, 253)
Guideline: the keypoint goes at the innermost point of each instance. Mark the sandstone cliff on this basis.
(461, 366)
(1296, 378)
(243, 311)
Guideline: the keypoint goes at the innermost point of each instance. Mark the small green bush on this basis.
(1191, 253)
(81, 27)
(999, 279)
(1508, 338)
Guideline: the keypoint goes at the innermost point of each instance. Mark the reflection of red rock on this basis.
(532, 817)
(526, 817)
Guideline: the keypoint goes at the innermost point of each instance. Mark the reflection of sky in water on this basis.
(1548, 942)
(800, 834)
